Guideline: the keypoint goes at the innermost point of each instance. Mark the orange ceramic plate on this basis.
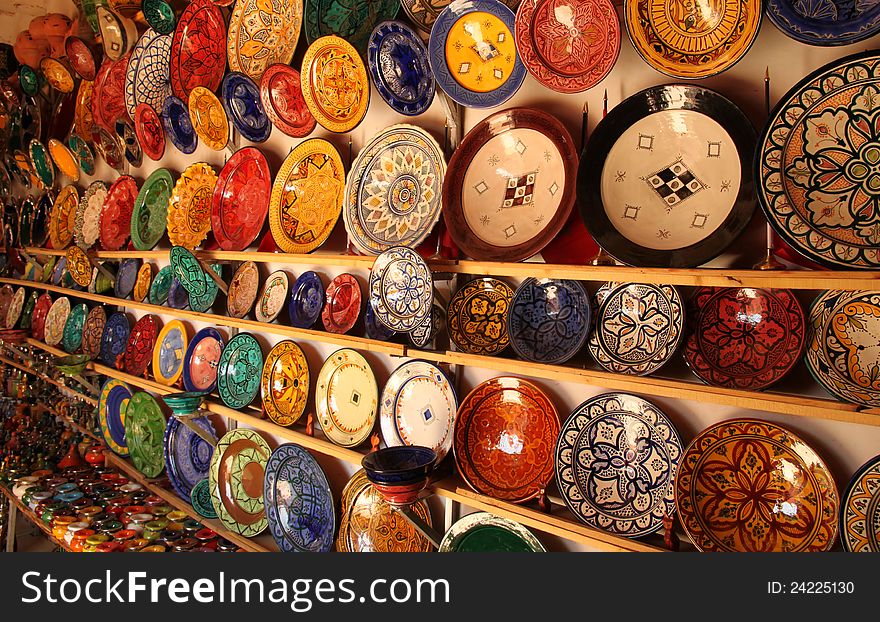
(335, 84)
(208, 118)
(62, 219)
(189, 208)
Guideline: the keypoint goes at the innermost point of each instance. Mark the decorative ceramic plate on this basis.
(79, 266)
(307, 196)
(236, 477)
(55, 321)
(208, 118)
(127, 137)
(161, 285)
(198, 55)
(188, 271)
(88, 215)
(201, 500)
(189, 207)
(401, 289)
(13, 312)
(93, 330)
(112, 404)
(505, 435)
(639, 326)
(178, 125)
(159, 15)
(281, 92)
(473, 53)
(477, 316)
(71, 339)
(81, 57)
(38, 317)
(201, 360)
(793, 501)
(549, 320)
(482, 532)
(273, 297)
(369, 524)
(334, 84)
(243, 290)
(141, 342)
(131, 71)
(424, 335)
(153, 78)
(84, 121)
(244, 108)
(860, 510)
(744, 338)
(187, 455)
(169, 352)
(238, 372)
(510, 185)
(241, 199)
(142, 282)
(144, 433)
(58, 75)
(418, 407)
(842, 345)
(203, 302)
(261, 33)
(41, 163)
(6, 295)
(616, 459)
(399, 66)
(178, 298)
(695, 40)
(150, 131)
(825, 23)
(108, 98)
(352, 21)
(83, 152)
(346, 395)
(150, 214)
(284, 383)
(299, 502)
(40, 220)
(27, 313)
(815, 162)
(342, 304)
(64, 159)
(306, 300)
(118, 33)
(392, 193)
(110, 148)
(116, 215)
(126, 277)
(666, 180)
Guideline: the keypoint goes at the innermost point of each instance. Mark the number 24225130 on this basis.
(810, 587)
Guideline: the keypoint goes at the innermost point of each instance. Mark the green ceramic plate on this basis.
(201, 499)
(71, 340)
(236, 480)
(144, 432)
(29, 80)
(159, 15)
(239, 369)
(84, 155)
(161, 285)
(151, 210)
(201, 304)
(41, 162)
(353, 21)
(484, 532)
(189, 271)
(28, 310)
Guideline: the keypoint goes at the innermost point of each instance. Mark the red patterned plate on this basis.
(149, 130)
(108, 99)
(568, 45)
(116, 215)
(505, 439)
(744, 338)
(198, 49)
(81, 57)
(281, 92)
(38, 317)
(343, 304)
(241, 199)
(141, 342)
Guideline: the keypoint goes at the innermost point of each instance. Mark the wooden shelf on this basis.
(715, 277)
(32, 517)
(171, 498)
(64, 388)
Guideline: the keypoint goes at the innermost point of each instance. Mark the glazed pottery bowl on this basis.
(398, 466)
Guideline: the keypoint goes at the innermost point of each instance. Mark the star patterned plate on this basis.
(399, 66)
(262, 33)
(244, 108)
(284, 383)
(549, 320)
(236, 479)
(238, 372)
(346, 397)
(178, 125)
(198, 54)
(401, 289)
(189, 207)
(240, 200)
(281, 92)
(335, 84)
(477, 316)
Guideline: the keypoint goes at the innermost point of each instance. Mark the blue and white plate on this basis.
(398, 63)
(126, 277)
(131, 70)
(241, 100)
(825, 22)
(373, 328)
(306, 300)
(473, 53)
(616, 459)
(201, 360)
(187, 455)
(178, 125)
(114, 338)
(298, 501)
(401, 289)
(549, 320)
(178, 298)
(152, 84)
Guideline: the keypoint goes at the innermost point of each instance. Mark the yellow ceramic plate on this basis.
(208, 118)
(307, 196)
(63, 159)
(143, 282)
(262, 33)
(335, 84)
(57, 74)
(79, 266)
(284, 383)
(169, 351)
(83, 120)
(189, 208)
(62, 219)
(692, 39)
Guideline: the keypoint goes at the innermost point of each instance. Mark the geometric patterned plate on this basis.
(87, 227)
(198, 54)
(73, 328)
(149, 217)
(111, 414)
(200, 497)
(78, 266)
(236, 477)
(141, 341)
(114, 339)
(477, 316)
(346, 396)
(161, 286)
(244, 108)
(93, 329)
(131, 71)
(398, 63)
(284, 383)
(281, 92)
(144, 433)
(860, 510)
(169, 351)
(189, 208)
(187, 455)
(264, 32)
(352, 21)
(335, 83)
(401, 289)
(238, 371)
(152, 84)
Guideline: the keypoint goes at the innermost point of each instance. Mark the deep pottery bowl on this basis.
(185, 401)
(399, 466)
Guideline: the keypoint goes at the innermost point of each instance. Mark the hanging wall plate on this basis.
(241, 100)
(335, 84)
(399, 66)
(284, 383)
(198, 49)
(150, 213)
(240, 200)
(262, 34)
(281, 92)
(346, 397)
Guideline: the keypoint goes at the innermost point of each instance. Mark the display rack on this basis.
(18, 508)
(64, 388)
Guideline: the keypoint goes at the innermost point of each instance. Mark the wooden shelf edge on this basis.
(28, 370)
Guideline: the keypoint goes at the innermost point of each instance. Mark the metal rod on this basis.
(433, 536)
(187, 420)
